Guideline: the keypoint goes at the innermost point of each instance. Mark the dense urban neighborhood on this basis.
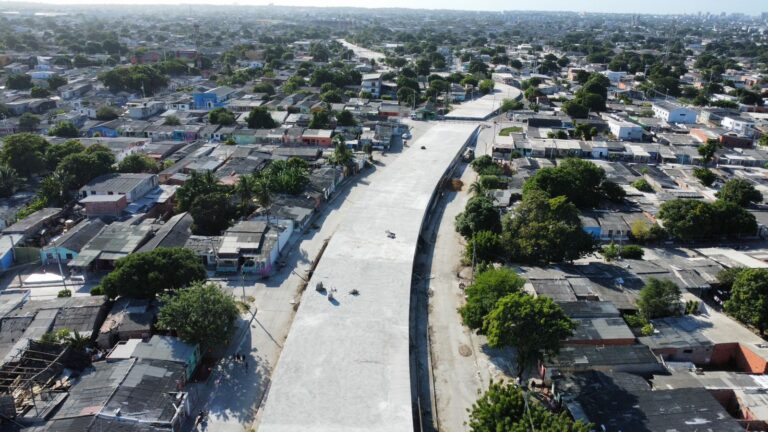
(277, 219)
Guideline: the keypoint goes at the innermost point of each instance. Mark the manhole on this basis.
(465, 351)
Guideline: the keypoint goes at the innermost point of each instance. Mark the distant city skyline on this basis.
(750, 7)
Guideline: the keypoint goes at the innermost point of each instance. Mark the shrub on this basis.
(647, 330)
(97, 290)
(631, 252)
(64, 293)
(642, 185)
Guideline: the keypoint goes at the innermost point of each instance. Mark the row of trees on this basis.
(145, 79)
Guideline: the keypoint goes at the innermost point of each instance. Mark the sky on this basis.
(633, 6)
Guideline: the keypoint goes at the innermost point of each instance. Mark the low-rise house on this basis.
(67, 246)
(74, 89)
(625, 130)
(253, 246)
(674, 113)
(35, 229)
(371, 83)
(128, 319)
(214, 98)
(166, 348)
(317, 137)
(143, 109)
(104, 206)
(132, 186)
(636, 359)
(115, 241)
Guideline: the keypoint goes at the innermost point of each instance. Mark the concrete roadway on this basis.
(232, 396)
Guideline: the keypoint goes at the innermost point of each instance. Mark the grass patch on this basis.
(510, 130)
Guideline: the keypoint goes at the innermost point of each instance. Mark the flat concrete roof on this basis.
(483, 107)
(345, 365)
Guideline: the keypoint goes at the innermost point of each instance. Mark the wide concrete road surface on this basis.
(345, 364)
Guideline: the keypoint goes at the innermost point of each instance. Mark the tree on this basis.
(29, 122)
(197, 185)
(690, 220)
(106, 113)
(264, 88)
(749, 298)
(137, 163)
(484, 165)
(83, 167)
(172, 120)
(642, 185)
(65, 129)
(707, 151)
(489, 286)
(740, 191)
(143, 275)
(260, 118)
(511, 105)
(705, 176)
(320, 120)
(659, 298)
(342, 155)
(290, 177)
(727, 277)
(543, 230)
(39, 92)
(221, 116)
(504, 407)
(143, 79)
(575, 109)
(484, 246)
(345, 118)
(480, 214)
(56, 81)
(9, 181)
(212, 213)
(201, 314)
(584, 183)
(533, 325)
(57, 152)
(24, 152)
(19, 82)
(486, 86)
(54, 190)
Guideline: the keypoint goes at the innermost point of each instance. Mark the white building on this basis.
(674, 113)
(624, 130)
(372, 84)
(614, 76)
(739, 125)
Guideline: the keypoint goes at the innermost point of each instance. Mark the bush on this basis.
(492, 182)
(631, 252)
(634, 320)
(642, 185)
(97, 290)
(64, 293)
(705, 176)
(647, 330)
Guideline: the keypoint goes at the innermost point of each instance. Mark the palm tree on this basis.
(262, 193)
(341, 154)
(77, 341)
(477, 188)
(244, 190)
(9, 180)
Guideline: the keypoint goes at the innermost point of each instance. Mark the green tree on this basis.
(543, 230)
(198, 184)
(642, 185)
(137, 163)
(485, 246)
(39, 92)
(479, 215)
(212, 213)
(690, 220)
(749, 298)
(18, 82)
(320, 120)
(582, 182)
(345, 118)
(727, 277)
(172, 120)
(483, 294)
(260, 118)
(342, 155)
(484, 165)
(83, 167)
(659, 298)
(65, 129)
(57, 152)
(106, 113)
(56, 81)
(535, 326)
(705, 176)
(221, 116)
(289, 177)
(201, 314)
(24, 152)
(244, 190)
(505, 408)
(486, 86)
(54, 190)
(29, 122)
(143, 79)
(708, 150)
(264, 88)
(146, 274)
(511, 105)
(9, 181)
(575, 109)
(740, 191)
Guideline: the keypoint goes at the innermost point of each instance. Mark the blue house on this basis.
(7, 243)
(591, 226)
(67, 246)
(213, 98)
(110, 129)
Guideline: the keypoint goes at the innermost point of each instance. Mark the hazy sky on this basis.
(635, 6)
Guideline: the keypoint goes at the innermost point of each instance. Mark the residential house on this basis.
(115, 241)
(317, 137)
(625, 130)
(253, 246)
(133, 186)
(36, 228)
(128, 319)
(68, 245)
(214, 98)
(145, 108)
(371, 83)
(166, 348)
(674, 113)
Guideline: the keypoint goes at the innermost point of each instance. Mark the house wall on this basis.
(106, 208)
(61, 252)
(750, 362)
(700, 355)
